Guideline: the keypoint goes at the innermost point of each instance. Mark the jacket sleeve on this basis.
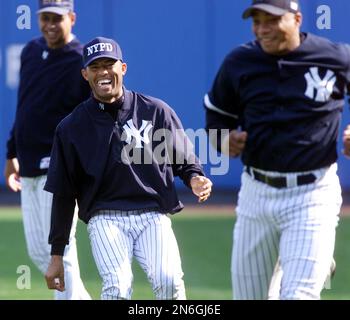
(11, 142)
(62, 171)
(11, 145)
(61, 223)
(60, 182)
(221, 104)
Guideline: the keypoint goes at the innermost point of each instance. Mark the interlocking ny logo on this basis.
(131, 131)
(324, 87)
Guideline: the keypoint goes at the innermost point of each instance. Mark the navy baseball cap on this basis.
(101, 48)
(274, 7)
(61, 7)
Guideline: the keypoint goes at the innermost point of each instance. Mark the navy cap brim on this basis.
(100, 57)
(56, 10)
(264, 7)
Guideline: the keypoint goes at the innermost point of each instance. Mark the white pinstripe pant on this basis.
(36, 210)
(118, 236)
(296, 223)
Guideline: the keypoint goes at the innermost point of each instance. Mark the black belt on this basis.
(280, 182)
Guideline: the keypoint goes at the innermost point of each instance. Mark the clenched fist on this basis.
(201, 187)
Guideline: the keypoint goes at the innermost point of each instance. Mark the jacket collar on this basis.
(95, 108)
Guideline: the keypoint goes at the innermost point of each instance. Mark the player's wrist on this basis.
(56, 258)
(57, 250)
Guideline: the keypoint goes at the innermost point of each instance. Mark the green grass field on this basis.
(205, 246)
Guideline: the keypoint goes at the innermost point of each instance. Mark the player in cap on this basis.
(50, 65)
(281, 97)
(124, 195)
(56, 19)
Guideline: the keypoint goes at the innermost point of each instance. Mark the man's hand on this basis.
(55, 274)
(201, 187)
(11, 173)
(234, 143)
(346, 141)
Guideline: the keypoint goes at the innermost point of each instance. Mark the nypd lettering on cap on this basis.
(99, 47)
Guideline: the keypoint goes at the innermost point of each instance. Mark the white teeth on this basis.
(104, 82)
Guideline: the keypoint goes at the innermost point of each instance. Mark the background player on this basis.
(50, 87)
(285, 90)
(124, 202)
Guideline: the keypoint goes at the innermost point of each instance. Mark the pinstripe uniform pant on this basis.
(295, 223)
(275, 284)
(118, 236)
(36, 210)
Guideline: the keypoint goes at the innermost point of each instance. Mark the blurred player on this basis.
(50, 87)
(282, 96)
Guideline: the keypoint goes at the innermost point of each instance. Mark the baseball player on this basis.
(123, 184)
(50, 87)
(281, 96)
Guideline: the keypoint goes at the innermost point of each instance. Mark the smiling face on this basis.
(277, 35)
(56, 29)
(105, 77)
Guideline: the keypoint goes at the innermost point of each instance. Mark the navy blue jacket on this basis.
(80, 163)
(290, 105)
(51, 86)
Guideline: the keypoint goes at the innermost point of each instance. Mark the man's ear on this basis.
(299, 18)
(72, 17)
(124, 68)
(84, 74)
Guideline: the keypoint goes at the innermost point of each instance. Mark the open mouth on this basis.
(268, 41)
(51, 34)
(104, 84)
